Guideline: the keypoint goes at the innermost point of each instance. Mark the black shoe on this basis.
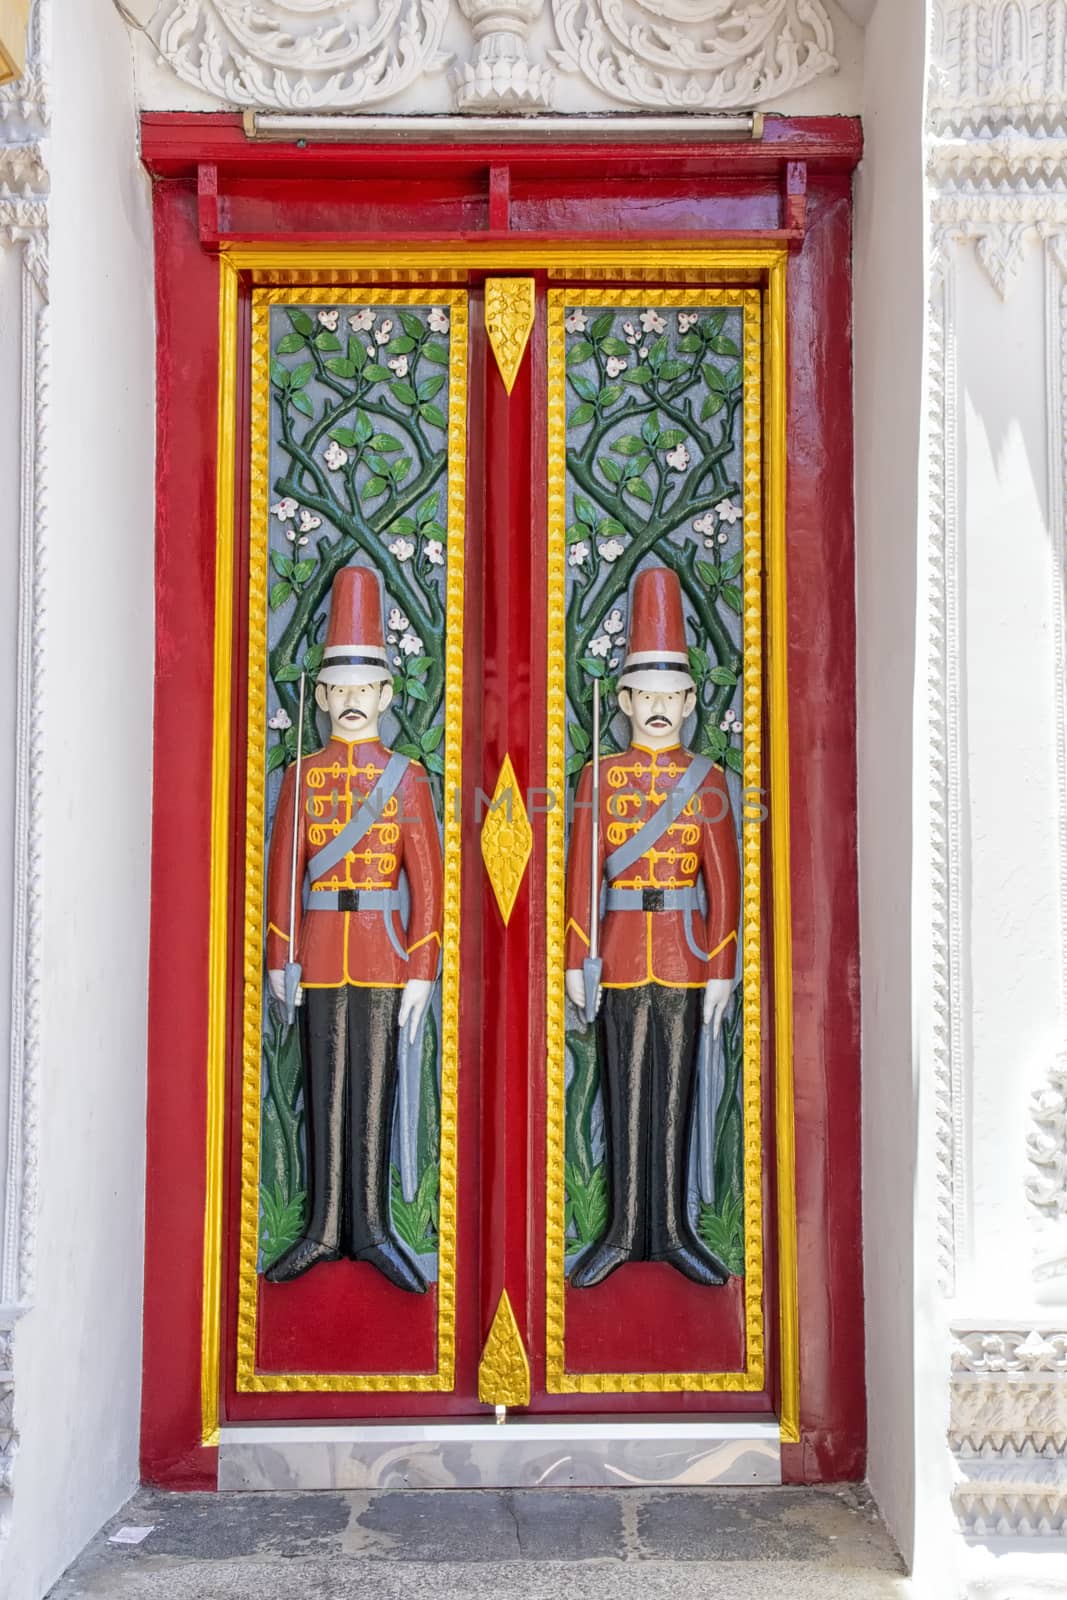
(298, 1259)
(598, 1265)
(391, 1262)
(698, 1263)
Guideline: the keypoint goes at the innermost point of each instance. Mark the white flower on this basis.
(411, 644)
(396, 661)
(600, 645)
(281, 719)
(399, 364)
(309, 523)
(435, 552)
(643, 352)
(723, 536)
(390, 638)
(372, 350)
(329, 319)
(612, 549)
(397, 620)
(613, 621)
(724, 725)
(738, 725)
(615, 365)
(437, 320)
(576, 322)
(334, 457)
(382, 334)
(285, 509)
(632, 335)
(578, 553)
(291, 535)
(652, 322)
(705, 524)
(726, 511)
(613, 663)
(403, 549)
(678, 458)
(686, 320)
(362, 321)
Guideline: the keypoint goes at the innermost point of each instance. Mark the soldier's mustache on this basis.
(353, 711)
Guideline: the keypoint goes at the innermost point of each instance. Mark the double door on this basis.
(556, 479)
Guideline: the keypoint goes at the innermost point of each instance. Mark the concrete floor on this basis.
(585, 1544)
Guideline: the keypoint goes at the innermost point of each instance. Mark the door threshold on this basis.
(519, 1453)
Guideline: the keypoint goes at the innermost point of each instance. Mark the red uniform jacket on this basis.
(650, 946)
(338, 947)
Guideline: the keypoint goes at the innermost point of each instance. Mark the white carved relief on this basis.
(301, 55)
(694, 55)
(999, 63)
(24, 120)
(345, 55)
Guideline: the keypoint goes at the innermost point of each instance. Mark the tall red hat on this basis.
(355, 641)
(657, 657)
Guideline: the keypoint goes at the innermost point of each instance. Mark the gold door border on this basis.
(558, 1379)
(248, 1378)
(266, 263)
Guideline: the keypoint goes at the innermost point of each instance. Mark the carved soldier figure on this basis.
(668, 855)
(365, 815)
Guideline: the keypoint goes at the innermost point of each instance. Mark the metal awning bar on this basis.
(695, 128)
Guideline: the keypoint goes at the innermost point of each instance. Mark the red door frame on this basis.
(212, 186)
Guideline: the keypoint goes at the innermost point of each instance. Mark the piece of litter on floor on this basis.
(130, 1535)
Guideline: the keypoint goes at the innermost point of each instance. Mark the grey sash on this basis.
(370, 811)
(652, 831)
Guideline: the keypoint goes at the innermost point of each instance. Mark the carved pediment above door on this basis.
(494, 56)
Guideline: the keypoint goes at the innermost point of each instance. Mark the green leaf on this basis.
(326, 341)
(414, 690)
(279, 595)
(673, 369)
(301, 322)
(282, 564)
(380, 465)
(711, 407)
(579, 352)
(300, 375)
(731, 568)
(713, 378)
(408, 749)
(637, 465)
(669, 438)
(709, 573)
(584, 510)
(387, 443)
(715, 743)
(400, 469)
(401, 347)
(723, 677)
(650, 428)
(376, 373)
(602, 325)
(614, 347)
(734, 760)
(712, 325)
(657, 351)
(404, 393)
(699, 662)
(629, 445)
(402, 525)
(420, 666)
(433, 530)
(436, 353)
(434, 414)
(639, 489)
(734, 377)
(430, 386)
(574, 764)
(289, 344)
(579, 738)
(611, 469)
(275, 757)
(583, 387)
(639, 375)
(344, 436)
(434, 762)
(433, 736)
(280, 374)
(581, 415)
(725, 347)
(373, 486)
(357, 353)
(313, 657)
(412, 324)
(610, 393)
(427, 509)
(287, 674)
(578, 530)
(732, 595)
(302, 403)
(340, 367)
(691, 344)
(594, 667)
(303, 569)
(610, 528)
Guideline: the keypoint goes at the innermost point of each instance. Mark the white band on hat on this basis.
(640, 658)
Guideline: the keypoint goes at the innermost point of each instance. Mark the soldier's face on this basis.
(656, 716)
(353, 708)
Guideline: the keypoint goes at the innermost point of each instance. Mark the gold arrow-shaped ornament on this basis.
(509, 315)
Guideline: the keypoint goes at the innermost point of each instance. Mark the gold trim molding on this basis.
(507, 839)
(509, 316)
(504, 1370)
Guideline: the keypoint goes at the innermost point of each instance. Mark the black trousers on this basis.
(349, 1039)
(649, 1040)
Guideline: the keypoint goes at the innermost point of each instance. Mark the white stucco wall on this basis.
(78, 1349)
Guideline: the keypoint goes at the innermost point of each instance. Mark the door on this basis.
(480, 518)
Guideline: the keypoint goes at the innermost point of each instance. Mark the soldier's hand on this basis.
(717, 992)
(576, 987)
(276, 979)
(413, 1003)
